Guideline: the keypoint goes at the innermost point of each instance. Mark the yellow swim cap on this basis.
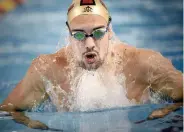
(85, 7)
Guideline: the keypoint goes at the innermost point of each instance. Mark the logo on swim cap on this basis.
(87, 7)
(87, 2)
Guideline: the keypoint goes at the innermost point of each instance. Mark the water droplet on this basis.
(54, 60)
(10, 104)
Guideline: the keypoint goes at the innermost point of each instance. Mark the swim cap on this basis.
(85, 7)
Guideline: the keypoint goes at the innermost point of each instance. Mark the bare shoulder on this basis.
(127, 53)
(142, 61)
(58, 58)
(49, 64)
(125, 50)
(153, 59)
(141, 55)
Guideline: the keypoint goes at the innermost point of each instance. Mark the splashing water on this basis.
(90, 90)
(96, 90)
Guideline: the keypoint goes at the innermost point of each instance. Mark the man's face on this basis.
(90, 53)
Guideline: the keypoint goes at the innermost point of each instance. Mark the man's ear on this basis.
(110, 32)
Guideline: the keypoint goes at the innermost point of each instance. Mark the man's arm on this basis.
(28, 93)
(161, 75)
(163, 78)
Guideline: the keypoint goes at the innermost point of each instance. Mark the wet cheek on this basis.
(102, 53)
(102, 47)
(76, 50)
(81, 50)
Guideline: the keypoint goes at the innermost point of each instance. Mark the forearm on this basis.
(7, 107)
(21, 101)
(177, 94)
(169, 83)
(11, 104)
(21, 118)
(173, 87)
(15, 113)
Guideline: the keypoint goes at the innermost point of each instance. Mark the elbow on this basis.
(178, 96)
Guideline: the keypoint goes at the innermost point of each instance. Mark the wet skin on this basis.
(143, 69)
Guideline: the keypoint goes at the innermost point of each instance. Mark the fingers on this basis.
(159, 113)
(19, 117)
(37, 125)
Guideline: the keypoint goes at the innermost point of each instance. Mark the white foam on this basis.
(96, 90)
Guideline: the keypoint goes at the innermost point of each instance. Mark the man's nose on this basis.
(89, 43)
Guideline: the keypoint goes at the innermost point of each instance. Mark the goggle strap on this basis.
(69, 28)
(110, 19)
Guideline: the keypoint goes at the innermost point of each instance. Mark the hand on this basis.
(21, 118)
(159, 113)
(37, 125)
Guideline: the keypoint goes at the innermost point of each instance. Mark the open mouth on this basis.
(90, 57)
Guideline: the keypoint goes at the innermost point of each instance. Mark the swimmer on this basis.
(94, 71)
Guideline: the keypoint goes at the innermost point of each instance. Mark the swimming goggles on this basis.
(96, 34)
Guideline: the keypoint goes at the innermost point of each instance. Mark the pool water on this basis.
(125, 119)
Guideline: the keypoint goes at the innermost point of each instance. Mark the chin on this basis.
(90, 67)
